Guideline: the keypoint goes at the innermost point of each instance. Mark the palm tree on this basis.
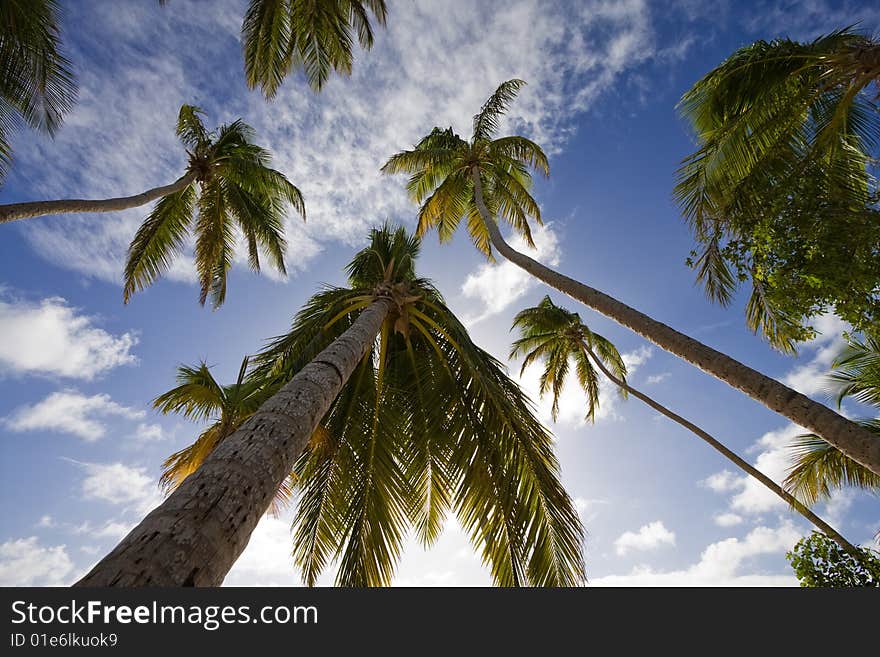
(37, 85)
(487, 178)
(558, 336)
(819, 467)
(390, 417)
(782, 127)
(198, 396)
(227, 184)
(317, 36)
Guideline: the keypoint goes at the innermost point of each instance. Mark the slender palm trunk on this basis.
(851, 439)
(732, 456)
(15, 211)
(194, 536)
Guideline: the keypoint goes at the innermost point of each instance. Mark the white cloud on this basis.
(654, 379)
(649, 537)
(71, 412)
(46, 522)
(498, 285)
(26, 562)
(149, 433)
(721, 563)
(722, 482)
(120, 484)
(728, 519)
(51, 338)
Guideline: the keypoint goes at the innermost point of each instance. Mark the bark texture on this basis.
(790, 499)
(15, 211)
(851, 439)
(197, 533)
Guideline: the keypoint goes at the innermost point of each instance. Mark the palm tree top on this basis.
(427, 425)
(443, 167)
(557, 336)
(229, 185)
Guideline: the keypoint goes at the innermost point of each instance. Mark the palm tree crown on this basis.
(316, 35)
(558, 336)
(231, 186)
(443, 166)
(427, 424)
(820, 468)
(37, 85)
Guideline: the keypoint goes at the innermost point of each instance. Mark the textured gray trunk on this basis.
(15, 211)
(732, 456)
(851, 439)
(194, 536)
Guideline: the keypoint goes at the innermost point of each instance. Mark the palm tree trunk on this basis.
(15, 211)
(854, 441)
(197, 533)
(732, 456)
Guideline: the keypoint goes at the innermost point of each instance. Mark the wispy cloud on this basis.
(119, 484)
(496, 286)
(330, 145)
(69, 411)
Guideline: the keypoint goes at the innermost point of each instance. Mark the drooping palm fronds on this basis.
(442, 166)
(428, 424)
(316, 36)
(819, 468)
(786, 133)
(232, 191)
(199, 397)
(558, 337)
(37, 84)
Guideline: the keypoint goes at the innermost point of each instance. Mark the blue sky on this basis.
(659, 506)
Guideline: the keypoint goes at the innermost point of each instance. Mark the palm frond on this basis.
(486, 120)
(37, 83)
(159, 239)
(820, 468)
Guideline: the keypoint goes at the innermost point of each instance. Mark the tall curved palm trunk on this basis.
(851, 439)
(16, 211)
(194, 536)
(730, 455)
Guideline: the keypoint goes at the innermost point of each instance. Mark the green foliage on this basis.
(232, 190)
(779, 192)
(37, 85)
(558, 336)
(820, 468)
(428, 424)
(441, 168)
(314, 35)
(199, 397)
(820, 562)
